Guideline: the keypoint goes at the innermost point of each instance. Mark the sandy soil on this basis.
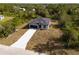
(42, 36)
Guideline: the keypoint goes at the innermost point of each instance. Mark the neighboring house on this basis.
(18, 8)
(22, 9)
(1, 17)
(40, 23)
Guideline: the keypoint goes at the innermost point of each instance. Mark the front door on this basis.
(39, 26)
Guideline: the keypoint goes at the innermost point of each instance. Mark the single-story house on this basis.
(40, 23)
(1, 17)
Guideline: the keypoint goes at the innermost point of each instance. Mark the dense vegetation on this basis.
(66, 14)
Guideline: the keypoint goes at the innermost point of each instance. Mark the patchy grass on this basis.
(14, 36)
(42, 36)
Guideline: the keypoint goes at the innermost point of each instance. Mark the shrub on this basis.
(6, 29)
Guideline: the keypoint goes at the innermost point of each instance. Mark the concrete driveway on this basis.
(22, 42)
(6, 50)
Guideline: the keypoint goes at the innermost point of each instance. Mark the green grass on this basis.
(6, 18)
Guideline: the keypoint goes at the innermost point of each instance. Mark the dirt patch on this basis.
(42, 36)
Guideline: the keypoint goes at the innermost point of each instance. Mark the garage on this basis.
(34, 26)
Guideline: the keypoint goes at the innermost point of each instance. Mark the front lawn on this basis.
(42, 36)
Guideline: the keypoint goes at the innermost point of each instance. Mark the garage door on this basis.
(34, 26)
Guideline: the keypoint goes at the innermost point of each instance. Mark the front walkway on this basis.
(22, 42)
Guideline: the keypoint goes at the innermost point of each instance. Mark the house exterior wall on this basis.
(44, 27)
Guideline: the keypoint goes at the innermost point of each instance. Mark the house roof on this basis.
(45, 21)
(1, 17)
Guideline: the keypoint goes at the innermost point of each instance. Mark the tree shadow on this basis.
(25, 27)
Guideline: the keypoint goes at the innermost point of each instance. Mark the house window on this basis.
(45, 26)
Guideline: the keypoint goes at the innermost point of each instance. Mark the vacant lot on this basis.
(42, 36)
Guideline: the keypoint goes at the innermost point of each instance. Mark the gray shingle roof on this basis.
(45, 21)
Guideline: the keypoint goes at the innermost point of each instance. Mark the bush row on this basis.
(9, 27)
